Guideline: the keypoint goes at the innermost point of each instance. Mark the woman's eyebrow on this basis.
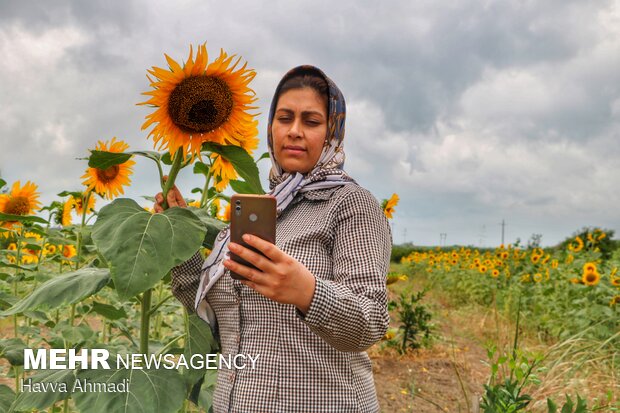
(304, 113)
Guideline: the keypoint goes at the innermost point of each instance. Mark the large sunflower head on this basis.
(109, 182)
(22, 200)
(201, 102)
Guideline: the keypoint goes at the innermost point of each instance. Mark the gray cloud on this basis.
(472, 112)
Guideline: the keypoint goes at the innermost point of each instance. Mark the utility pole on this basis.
(503, 224)
(442, 239)
(405, 235)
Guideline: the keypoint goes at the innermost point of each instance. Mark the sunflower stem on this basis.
(172, 176)
(205, 191)
(145, 318)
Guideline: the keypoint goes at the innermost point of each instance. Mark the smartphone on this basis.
(255, 215)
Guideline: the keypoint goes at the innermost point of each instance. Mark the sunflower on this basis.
(201, 102)
(590, 278)
(68, 251)
(554, 264)
(589, 267)
(49, 249)
(579, 245)
(223, 171)
(495, 273)
(538, 277)
(614, 300)
(67, 207)
(110, 181)
(20, 201)
(389, 204)
(79, 208)
(225, 216)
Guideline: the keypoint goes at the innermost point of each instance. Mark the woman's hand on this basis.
(173, 199)
(280, 277)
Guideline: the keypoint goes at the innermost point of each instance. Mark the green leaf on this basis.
(50, 380)
(104, 160)
(241, 187)
(12, 349)
(241, 161)
(568, 406)
(214, 226)
(109, 311)
(156, 156)
(201, 168)
(265, 155)
(142, 247)
(7, 395)
(22, 218)
(74, 194)
(201, 341)
(551, 406)
(149, 391)
(62, 290)
(2, 183)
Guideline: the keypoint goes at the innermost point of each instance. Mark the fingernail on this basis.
(247, 237)
(233, 247)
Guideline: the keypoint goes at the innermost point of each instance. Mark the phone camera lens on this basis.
(238, 202)
(238, 208)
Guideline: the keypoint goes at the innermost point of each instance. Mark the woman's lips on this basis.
(294, 150)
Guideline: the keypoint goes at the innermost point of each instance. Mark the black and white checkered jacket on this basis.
(316, 362)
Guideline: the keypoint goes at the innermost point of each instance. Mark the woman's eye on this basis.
(313, 122)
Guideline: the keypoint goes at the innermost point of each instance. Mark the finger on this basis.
(171, 199)
(157, 208)
(178, 197)
(270, 250)
(159, 198)
(250, 256)
(244, 271)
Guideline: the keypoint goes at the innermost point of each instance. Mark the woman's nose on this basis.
(295, 129)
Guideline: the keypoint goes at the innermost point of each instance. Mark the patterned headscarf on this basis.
(327, 173)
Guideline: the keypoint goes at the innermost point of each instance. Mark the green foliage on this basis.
(510, 373)
(149, 391)
(63, 290)
(242, 162)
(414, 320)
(401, 250)
(142, 247)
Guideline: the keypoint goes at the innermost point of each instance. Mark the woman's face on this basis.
(298, 129)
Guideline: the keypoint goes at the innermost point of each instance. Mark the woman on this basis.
(318, 298)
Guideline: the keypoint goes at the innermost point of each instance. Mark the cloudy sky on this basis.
(472, 111)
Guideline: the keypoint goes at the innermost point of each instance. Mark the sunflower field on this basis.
(571, 289)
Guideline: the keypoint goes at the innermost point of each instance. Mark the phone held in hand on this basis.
(255, 215)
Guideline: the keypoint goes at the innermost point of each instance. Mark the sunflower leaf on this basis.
(7, 395)
(240, 187)
(62, 290)
(74, 194)
(242, 162)
(58, 385)
(104, 159)
(147, 391)
(2, 183)
(214, 226)
(142, 247)
(22, 218)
